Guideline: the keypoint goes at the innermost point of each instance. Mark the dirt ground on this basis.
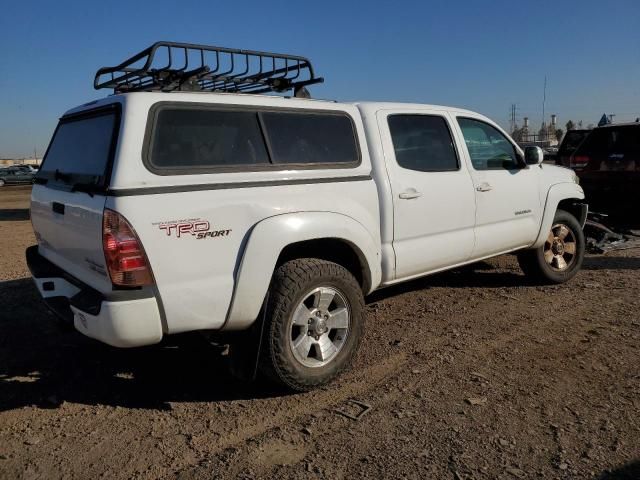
(471, 374)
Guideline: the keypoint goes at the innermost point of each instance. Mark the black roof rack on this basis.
(170, 66)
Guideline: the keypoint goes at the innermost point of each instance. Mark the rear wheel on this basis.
(314, 323)
(560, 258)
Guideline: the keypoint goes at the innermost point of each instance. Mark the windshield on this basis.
(81, 146)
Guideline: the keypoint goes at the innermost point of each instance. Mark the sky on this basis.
(480, 55)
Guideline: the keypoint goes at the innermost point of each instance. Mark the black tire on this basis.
(533, 263)
(290, 285)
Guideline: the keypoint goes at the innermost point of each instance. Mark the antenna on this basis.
(544, 98)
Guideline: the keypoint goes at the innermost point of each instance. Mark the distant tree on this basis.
(580, 124)
(559, 134)
(570, 125)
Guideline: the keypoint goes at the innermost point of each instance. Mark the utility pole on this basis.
(544, 101)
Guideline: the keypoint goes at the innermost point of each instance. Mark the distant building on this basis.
(5, 162)
(544, 138)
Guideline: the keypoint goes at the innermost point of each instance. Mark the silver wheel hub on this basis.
(319, 326)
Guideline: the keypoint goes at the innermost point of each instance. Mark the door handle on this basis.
(484, 187)
(410, 193)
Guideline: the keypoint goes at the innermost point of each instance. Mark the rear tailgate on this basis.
(68, 199)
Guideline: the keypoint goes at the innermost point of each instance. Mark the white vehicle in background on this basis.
(188, 201)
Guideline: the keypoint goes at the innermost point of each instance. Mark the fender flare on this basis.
(267, 240)
(557, 193)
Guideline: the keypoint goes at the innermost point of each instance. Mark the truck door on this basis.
(507, 193)
(433, 196)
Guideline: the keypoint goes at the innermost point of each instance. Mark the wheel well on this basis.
(575, 207)
(332, 250)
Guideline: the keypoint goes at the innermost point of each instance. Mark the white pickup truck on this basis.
(159, 210)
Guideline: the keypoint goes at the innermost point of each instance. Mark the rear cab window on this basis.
(189, 139)
(81, 150)
(310, 138)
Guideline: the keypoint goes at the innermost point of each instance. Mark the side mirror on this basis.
(533, 155)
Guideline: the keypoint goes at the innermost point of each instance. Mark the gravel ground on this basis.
(471, 374)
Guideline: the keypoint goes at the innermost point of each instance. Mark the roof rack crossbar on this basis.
(232, 70)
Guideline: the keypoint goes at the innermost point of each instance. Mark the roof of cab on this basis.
(210, 97)
(377, 106)
(260, 100)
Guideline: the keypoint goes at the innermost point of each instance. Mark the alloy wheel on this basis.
(319, 326)
(560, 247)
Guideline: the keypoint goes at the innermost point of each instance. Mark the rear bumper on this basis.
(122, 318)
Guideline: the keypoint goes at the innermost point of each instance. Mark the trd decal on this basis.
(196, 227)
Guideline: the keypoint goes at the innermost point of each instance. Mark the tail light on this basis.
(127, 263)
(579, 161)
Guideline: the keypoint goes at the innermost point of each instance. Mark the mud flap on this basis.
(244, 353)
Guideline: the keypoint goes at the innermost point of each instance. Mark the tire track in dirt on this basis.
(297, 406)
(403, 385)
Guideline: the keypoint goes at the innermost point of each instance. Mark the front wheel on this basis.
(314, 323)
(560, 258)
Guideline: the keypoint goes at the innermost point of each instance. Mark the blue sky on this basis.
(479, 55)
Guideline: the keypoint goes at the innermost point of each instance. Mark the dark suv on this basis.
(608, 164)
